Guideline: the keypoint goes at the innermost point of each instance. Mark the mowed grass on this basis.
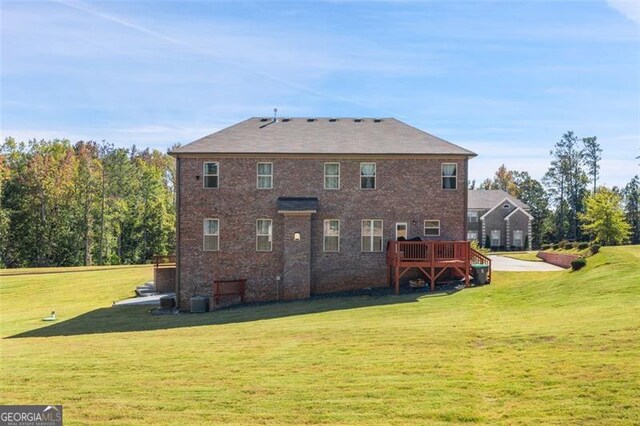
(529, 256)
(549, 348)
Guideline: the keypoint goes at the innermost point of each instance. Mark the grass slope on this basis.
(529, 256)
(530, 348)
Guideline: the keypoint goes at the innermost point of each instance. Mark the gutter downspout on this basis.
(178, 202)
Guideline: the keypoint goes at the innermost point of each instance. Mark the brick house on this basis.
(498, 220)
(301, 206)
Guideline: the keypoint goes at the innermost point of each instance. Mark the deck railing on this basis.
(427, 251)
(164, 260)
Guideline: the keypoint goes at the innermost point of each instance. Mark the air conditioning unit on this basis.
(199, 304)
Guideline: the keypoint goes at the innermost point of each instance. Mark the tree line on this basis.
(568, 203)
(88, 203)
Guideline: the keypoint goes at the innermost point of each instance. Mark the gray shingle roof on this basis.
(322, 136)
(487, 198)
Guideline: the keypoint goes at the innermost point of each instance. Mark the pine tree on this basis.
(631, 194)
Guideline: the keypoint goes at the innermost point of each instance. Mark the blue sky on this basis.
(504, 79)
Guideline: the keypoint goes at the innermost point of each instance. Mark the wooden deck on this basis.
(433, 259)
(165, 261)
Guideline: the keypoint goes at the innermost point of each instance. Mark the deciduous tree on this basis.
(604, 218)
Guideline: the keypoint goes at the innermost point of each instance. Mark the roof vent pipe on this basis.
(275, 115)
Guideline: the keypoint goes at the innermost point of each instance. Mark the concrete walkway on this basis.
(502, 263)
(146, 300)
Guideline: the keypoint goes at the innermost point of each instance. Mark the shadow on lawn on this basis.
(119, 319)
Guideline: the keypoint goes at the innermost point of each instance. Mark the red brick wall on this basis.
(558, 259)
(407, 190)
(164, 279)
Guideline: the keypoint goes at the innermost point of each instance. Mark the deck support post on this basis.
(397, 269)
(433, 278)
(468, 264)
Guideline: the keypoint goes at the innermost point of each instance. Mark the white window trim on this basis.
(372, 235)
(424, 228)
(406, 227)
(491, 238)
(258, 175)
(513, 240)
(473, 213)
(375, 176)
(324, 249)
(204, 174)
(442, 176)
(325, 176)
(264, 235)
(474, 232)
(208, 235)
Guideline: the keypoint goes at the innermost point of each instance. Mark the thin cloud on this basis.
(195, 49)
(629, 8)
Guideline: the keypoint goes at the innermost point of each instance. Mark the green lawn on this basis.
(529, 256)
(545, 348)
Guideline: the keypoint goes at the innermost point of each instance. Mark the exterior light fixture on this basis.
(296, 236)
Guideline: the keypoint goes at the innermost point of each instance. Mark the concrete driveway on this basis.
(502, 263)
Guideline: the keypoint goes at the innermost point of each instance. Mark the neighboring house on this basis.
(498, 220)
(301, 206)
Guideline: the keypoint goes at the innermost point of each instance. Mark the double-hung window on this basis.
(367, 175)
(265, 175)
(495, 238)
(472, 216)
(331, 175)
(472, 235)
(371, 235)
(449, 176)
(211, 235)
(518, 237)
(210, 174)
(264, 234)
(432, 228)
(331, 235)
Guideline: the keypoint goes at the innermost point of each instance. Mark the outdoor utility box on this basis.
(480, 273)
(167, 302)
(199, 304)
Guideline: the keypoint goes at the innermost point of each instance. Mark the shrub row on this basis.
(567, 245)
